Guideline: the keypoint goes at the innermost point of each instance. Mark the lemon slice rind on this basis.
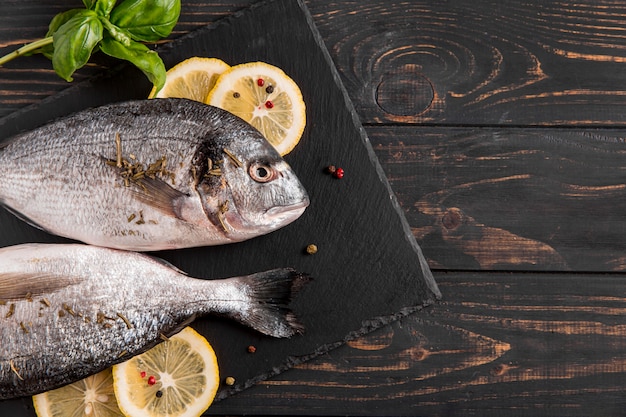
(267, 98)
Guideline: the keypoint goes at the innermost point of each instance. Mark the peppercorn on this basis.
(269, 104)
(269, 89)
(143, 374)
(338, 173)
(260, 82)
(251, 349)
(311, 249)
(159, 394)
(151, 380)
(330, 169)
(236, 95)
(230, 381)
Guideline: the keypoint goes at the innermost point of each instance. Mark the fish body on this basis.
(70, 310)
(150, 175)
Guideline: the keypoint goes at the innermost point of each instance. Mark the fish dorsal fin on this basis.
(160, 195)
(22, 285)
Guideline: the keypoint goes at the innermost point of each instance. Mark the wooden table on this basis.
(501, 127)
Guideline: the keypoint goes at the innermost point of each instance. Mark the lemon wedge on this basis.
(264, 96)
(177, 378)
(93, 396)
(192, 78)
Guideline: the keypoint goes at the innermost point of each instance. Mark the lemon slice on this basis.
(192, 78)
(92, 396)
(178, 378)
(264, 96)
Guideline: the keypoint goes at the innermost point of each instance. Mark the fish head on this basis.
(253, 191)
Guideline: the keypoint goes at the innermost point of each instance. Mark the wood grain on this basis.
(500, 125)
(514, 199)
(535, 344)
(480, 62)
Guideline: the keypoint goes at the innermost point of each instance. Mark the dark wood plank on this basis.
(480, 62)
(513, 199)
(539, 345)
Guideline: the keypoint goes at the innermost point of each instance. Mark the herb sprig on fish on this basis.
(73, 36)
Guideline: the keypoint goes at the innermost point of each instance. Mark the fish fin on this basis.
(21, 286)
(270, 293)
(160, 195)
(166, 263)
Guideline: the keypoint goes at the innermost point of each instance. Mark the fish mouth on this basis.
(292, 210)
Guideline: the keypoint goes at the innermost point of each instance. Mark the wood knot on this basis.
(501, 369)
(452, 218)
(405, 94)
(419, 354)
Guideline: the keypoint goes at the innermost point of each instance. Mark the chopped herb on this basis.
(233, 158)
(45, 302)
(14, 369)
(11, 311)
(69, 309)
(118, 150)
(125, 320)
(23, 326)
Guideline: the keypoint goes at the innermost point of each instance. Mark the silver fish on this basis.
(150, 175)
(70, 310)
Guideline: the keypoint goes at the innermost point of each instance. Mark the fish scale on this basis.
(94, 316)
(63, 177)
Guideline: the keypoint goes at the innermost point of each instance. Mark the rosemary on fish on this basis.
(133, 171)
(45, 302)
(69, 309)
(221, 215)
(163, 337)
(118, 150)
(23, 326)
(233, 158)
(11, 311)
(125, 320)
(14, 369)
(29, 297)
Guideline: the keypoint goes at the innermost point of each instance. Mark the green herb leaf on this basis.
(104, 7)
(140, 55)
(89, 4)
(147, 20)
(74, 42)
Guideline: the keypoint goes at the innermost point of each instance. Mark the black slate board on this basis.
(369, 269)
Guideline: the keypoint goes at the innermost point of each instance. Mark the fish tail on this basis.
(270, 293)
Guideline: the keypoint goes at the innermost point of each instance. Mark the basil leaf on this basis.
(74, 42)
(147, 20)
(139, 55)
(60, 19)
(104, 7)
(89, 4)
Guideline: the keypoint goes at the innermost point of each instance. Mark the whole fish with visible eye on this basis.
(150, 175)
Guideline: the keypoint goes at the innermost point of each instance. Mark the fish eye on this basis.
(262, 172)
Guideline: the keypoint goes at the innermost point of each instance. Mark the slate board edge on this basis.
(369, 326)
(428, 275)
